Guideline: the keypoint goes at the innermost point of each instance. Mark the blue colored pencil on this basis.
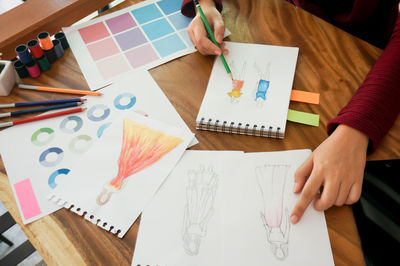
(10, 105)
(41, 109)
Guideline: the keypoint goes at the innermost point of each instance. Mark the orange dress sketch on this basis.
(142, 146)
(237, 84)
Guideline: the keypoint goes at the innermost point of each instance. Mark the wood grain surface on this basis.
(331, 62)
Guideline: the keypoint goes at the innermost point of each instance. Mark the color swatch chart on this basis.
(141, 36)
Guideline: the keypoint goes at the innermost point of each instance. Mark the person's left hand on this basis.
(336, 168)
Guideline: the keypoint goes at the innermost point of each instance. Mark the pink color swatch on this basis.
(141, 56)
(94, 32)
(103, 49)
(112, 66)
(27, 199)
(120, 23)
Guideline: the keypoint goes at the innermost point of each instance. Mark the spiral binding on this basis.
(247, 129)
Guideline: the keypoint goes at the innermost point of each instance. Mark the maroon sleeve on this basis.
(375, 106)
(188, 7)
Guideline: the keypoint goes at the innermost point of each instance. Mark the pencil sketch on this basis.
(237, 82)
(275, 218)
(262, 84)
(199, 207)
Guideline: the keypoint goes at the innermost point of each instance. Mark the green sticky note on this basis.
(303, 118)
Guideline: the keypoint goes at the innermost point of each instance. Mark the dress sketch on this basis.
(262, 84)
(199, 207)
(237, 83)
(275, 217)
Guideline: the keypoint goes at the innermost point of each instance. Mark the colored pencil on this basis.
(61, 90)
(41, 117)
(41, 109)
(25, 104)
(210, 32)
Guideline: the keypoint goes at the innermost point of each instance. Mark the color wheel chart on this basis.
(48, 150)
(141, 36)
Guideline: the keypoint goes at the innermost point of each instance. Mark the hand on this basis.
(198, 33)
(336, 166)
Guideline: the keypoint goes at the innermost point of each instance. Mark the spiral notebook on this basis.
(256, 101)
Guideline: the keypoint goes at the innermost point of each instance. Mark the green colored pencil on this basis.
(208, 28)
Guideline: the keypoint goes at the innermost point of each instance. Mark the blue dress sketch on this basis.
(199, 207)
(275, 218)
(262, 84)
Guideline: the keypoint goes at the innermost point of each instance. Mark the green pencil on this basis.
(208, 28)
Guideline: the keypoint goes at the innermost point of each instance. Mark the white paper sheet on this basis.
(254, 195)
(182, 224)
(137, 93)
(114, 181)
(258, 206)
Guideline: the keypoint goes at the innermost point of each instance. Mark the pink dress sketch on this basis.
(275, 218)
(199, 207)
(142, 146)
(262, 84)
(237, 83)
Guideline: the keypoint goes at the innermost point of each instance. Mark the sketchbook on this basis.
(231, 208)
(256, 101)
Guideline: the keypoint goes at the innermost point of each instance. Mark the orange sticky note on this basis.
(304, 96)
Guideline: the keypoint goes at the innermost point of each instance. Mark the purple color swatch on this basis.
(141, 56)
(121, 23)
(130, 39)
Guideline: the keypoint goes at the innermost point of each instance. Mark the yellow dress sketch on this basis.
(142, 146)
(237, 84)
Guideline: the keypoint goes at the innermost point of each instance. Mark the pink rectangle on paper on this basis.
(103, 48)
(27, 199)
(112, 66)
(141, 56)
(94, 32)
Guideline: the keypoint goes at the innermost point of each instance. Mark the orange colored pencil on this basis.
(60, 90)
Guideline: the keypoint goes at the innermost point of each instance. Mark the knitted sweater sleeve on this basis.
(188, 7)
(375, 106)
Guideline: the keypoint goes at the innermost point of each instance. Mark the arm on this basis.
(337, 165)
(196, 29)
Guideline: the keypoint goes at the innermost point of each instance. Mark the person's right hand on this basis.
(198, 33)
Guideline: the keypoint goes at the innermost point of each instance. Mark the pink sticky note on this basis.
(27, 199)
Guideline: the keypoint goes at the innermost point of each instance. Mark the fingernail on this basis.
(295, 187)
(294, 219)
(219, 38)
(217, 52)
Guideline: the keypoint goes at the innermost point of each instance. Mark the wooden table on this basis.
(330, 62)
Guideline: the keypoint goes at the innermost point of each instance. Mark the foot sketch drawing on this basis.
(262, 84)
(237, 84)
(275, 218)
(200, 195)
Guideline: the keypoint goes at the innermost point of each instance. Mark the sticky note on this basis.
(303, 118)
(304, 96)
(27, 199)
